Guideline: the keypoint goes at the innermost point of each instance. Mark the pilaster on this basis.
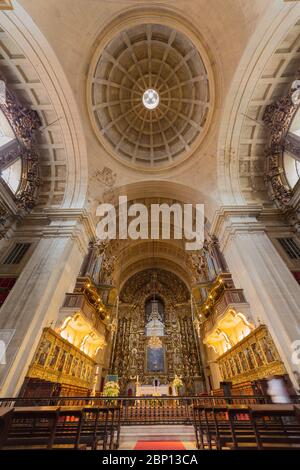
(61, 239)
(257, 267)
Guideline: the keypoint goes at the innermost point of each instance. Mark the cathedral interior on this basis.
(162, 102)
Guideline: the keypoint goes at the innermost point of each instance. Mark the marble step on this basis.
(157, 433)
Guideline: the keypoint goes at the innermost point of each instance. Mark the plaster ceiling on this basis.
(275, 81)
(22, 78)
(78, 31)
(141, 58)
(225, 34)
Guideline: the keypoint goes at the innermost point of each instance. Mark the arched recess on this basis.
(134, 285)
(148, 255)
(259, 79)
(37, 78)
(132, 256)
(158, 189)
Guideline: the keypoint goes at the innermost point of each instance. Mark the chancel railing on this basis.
(144, 410)
(157, 411)
(96, 423)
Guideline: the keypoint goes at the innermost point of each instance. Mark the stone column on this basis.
(37, 296)
(269, 286)
(215, 375)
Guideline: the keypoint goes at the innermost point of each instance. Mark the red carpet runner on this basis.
(159, 445)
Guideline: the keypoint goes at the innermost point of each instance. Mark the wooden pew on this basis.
(67, 427)
(32, 427)
(235, 431)
(96, 427)
(221, 426)
(5, 420)
(267, 426)
(81, 427)
(114, 425)
(275, 426)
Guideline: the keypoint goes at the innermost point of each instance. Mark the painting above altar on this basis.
(156, 360)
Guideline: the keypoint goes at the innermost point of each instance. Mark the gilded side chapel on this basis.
(162, 102)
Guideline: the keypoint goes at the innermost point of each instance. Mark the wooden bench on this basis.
(67, 427)
(221, 426)
(31, 426)
(85, 427)
(5, 419)
(275, 426)
(246, 426)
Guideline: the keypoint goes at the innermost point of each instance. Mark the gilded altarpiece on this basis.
(180, 350)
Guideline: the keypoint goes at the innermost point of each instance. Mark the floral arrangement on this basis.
(177, 382)
(111, 389)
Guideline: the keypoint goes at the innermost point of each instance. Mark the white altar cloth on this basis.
(142, 390)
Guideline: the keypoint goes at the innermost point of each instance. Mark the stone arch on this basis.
(273, 29)
(133, 256)
(166, 280)
(42, 83)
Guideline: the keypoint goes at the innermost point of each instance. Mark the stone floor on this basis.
(157, 445)
(157, 437)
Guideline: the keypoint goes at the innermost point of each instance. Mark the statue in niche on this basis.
(54, 356)
(105, 262)
(215, 257)
(197, 326)
(267, 350)
(177, 357)
(172, 314)
(133, 357)
(99, 248)
(212, 268)
(199, 267)
(257, 353)
(154, 325)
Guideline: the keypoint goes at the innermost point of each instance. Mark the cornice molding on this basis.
(230, 220)
(6, 5)
(232, 211)
(76, 224)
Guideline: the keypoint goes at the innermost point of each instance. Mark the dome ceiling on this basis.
(149, 96)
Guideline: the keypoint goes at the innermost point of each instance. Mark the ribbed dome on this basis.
(144, 63)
